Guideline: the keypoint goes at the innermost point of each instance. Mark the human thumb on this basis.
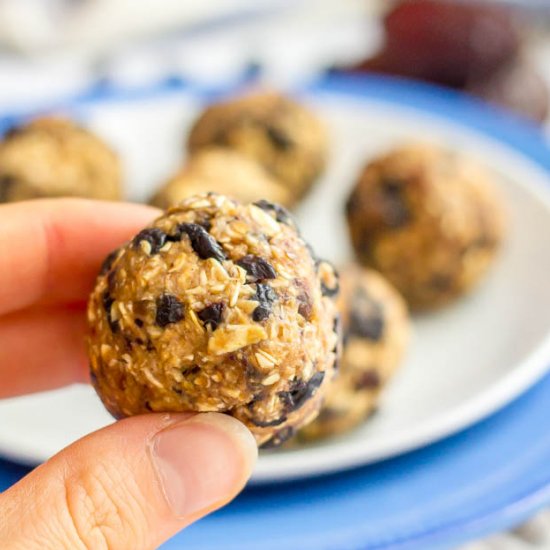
(131, 485)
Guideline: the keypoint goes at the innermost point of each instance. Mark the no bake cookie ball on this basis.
(288, 140)
(429, 220)
(53, 157)
(223, 171)
(376, 330)
(217, 306)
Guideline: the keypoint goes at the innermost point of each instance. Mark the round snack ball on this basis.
(428, 220)
(53, 157)
(216, 306)
(375, 326)
(223, 171)
(282, 135)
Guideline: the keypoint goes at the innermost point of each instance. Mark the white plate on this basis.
(465, 362)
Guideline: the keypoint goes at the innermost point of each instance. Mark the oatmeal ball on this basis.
(216, 306)
(282, 135)
(376, 331)
(427, 219)
(223, 171)
(53, 157)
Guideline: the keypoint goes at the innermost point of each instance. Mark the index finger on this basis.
(51, 249)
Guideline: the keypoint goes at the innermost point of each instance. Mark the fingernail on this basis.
(202, 461)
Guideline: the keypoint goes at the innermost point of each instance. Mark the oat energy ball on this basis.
(376, 331)
(427, 219)
(53, 157)
(223, 171)
(282, 135)
(216, 306)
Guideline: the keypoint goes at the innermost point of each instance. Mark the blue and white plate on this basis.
(466, 361)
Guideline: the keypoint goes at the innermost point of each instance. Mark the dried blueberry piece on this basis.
(169, 310)
(268, 423)
(366, 318)
(279, 438)
(108, 301)
(108, 262)
(256, 268)
(6, 183)
(204, 245)
(263, 423)
(265, 294)
(211, 315)
(300, 392)
(282, 215)
(395, 210)
(369, 380)
(261, 313)
(280, 139)
(154, 236)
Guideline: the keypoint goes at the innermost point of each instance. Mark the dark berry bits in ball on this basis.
(282, 215)
(204, 245)
(301, 391)
(366, 317)
(256, 268)
(155, 237)
(212, 315)
(169, 310)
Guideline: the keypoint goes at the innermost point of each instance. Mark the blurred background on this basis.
(497, 51)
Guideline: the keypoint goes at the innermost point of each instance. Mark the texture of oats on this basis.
(223, 171)
(53, 157)
(376, 329)
(429, 220)
(174, 323)
(288, 140)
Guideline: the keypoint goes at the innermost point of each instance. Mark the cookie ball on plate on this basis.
(217, 306)
(223, 171)
(429, 220)
(376, 330)
(53, 157)
(288, 140)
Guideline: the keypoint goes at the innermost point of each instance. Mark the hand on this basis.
(135, 483)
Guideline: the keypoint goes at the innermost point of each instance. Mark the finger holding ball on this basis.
(217, 306)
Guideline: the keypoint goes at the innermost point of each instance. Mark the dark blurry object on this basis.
(447, 42)
(470, 46)
(516, 86)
